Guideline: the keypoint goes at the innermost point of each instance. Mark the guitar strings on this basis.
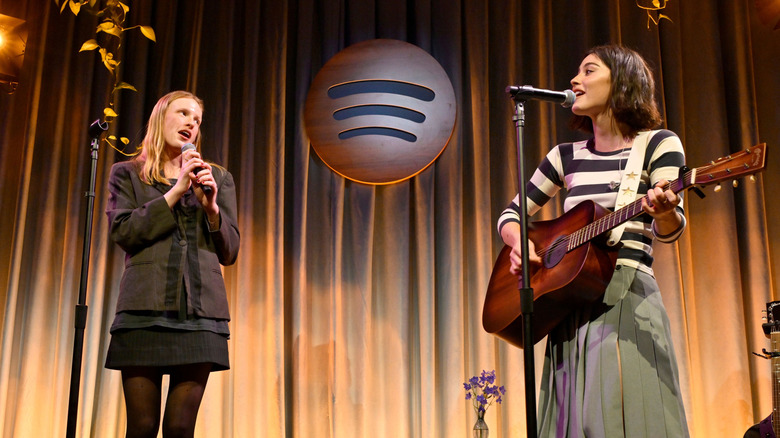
(597, 227)
(587, 232)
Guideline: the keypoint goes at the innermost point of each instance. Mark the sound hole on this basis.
(556, 253)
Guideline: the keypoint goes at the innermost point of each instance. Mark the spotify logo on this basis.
(380, 111)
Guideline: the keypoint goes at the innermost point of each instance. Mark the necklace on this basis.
(613, 185)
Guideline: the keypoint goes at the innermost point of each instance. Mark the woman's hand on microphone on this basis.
(200, 174)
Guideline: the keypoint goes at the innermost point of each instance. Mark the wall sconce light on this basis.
(13, 43)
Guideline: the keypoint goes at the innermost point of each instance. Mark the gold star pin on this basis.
(632, 175)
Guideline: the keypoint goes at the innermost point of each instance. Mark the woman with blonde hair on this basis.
(174, 215)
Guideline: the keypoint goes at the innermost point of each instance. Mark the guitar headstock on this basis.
(772, 324)
(742, 163)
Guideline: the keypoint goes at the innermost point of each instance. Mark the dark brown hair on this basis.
(632, 92)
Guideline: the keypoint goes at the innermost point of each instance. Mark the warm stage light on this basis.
(13, 42)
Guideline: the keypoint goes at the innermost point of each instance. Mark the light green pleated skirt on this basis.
(610, 368)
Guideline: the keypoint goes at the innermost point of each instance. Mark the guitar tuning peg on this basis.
(752, 178)
(718, 188)
(735, 183)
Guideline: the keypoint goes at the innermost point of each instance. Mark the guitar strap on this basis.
(630, 181)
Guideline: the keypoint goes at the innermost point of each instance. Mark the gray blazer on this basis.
(170, 251)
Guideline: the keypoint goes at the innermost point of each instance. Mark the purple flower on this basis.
(482, 391)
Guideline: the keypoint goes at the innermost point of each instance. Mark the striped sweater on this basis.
(588, 174)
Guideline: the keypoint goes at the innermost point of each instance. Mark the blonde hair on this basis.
(152, 153)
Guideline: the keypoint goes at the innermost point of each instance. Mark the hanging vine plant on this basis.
(107, 41)
(653, 6)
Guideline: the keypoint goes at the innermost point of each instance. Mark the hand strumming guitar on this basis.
(511, 235)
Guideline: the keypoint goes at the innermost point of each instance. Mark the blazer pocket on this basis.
(140, 287)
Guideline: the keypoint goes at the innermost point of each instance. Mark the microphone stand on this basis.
(524, 288)
(96, 129)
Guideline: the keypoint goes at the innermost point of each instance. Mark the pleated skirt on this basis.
(165, 348)
(610, 368)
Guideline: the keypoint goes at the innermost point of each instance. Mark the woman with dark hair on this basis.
(610, 368)
(172, 311)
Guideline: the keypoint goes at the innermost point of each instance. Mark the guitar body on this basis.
(565, 281)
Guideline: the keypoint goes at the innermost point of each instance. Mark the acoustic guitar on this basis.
(576, 263)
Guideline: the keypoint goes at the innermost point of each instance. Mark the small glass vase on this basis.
(480, 427)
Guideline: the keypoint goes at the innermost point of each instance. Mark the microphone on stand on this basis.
(526, 92)
(191, 147)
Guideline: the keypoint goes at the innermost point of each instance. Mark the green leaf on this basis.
(148, 32)
(110, 65)
(75, 7)
(108, 112)
(124, 140)
(89, 45)
(109, 28)
(125, 7)
(112, 137)
(108, 59)
(114, 12)
(123, 86)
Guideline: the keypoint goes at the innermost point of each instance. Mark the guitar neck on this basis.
(622, 215)
(745, 162)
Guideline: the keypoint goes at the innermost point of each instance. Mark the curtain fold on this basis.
(357, 309)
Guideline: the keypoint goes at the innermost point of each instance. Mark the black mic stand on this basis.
(96, 129)
(524, 287)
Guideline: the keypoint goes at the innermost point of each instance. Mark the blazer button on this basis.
(182, 242)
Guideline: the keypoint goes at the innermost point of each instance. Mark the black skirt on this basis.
(163, 347)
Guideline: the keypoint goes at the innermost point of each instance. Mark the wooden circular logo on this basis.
(380, 111)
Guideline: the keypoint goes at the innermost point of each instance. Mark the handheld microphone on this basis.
(191, 147)
(525, 92)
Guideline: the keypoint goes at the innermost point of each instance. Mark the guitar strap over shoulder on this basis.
(630, 181)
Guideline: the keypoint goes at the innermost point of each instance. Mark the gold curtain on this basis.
(357, 309)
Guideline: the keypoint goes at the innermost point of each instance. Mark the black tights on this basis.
(143, 390)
